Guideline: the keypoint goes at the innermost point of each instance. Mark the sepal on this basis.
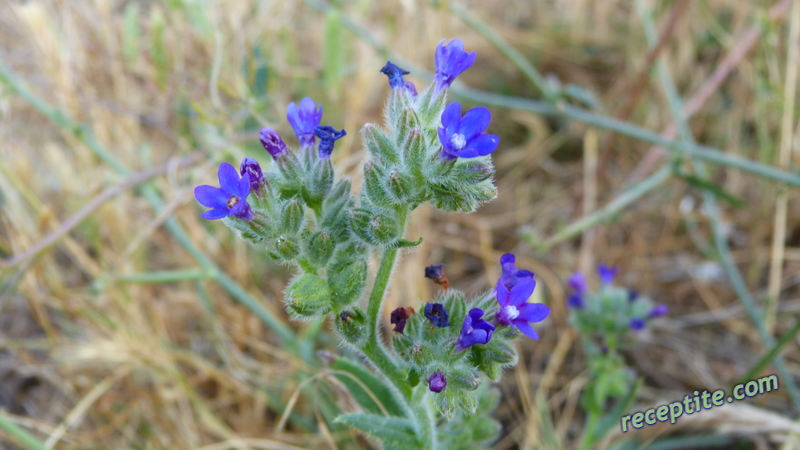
(307, 296)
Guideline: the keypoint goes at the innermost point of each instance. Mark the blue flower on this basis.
(607, 273)
(474, 330)
(272, 142)
(436, 313)
(327, 136)
(637, 324)
(451, 61)
(462, 137)
(395, 75)
(658, 311)
(575, 301)
(304, 119)
(578, 284)
(514, 307)
(230, 199)
(437, 382)
(632, 295)
(250, 167)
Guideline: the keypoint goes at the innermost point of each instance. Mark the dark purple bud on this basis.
(575, 301)
(399, 317)
(436, 273)
(327, 136)
(395, 75)
(632, 295)
(658, 311)
(272, 142)
(637, 324)
(250, 166)
(474, 330)
(437, 382)
(451, 61)
(436, 313)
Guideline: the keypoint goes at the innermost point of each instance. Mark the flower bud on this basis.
(352, 325)
(308, 296)
(408, 121)
(374, 180)
(375, 229)
(272, 142)
(292, 218)
(347, 279)
(378, 143)
(399, 187)
(320, 248)
(250, 166)
(414, 151)
(287, 248)
(437, 382)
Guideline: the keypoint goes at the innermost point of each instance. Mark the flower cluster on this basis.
(455, 339)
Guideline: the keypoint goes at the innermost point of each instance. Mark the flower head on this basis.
(327, 136)
(474, 330)
(230, 199)
(437, 382)
(658, 311)
(395, 75)
(514, 307)
(463, 137)
(436, 313)
(578, 283)
(575, 301)
(606, 273)
(451, 61)
(399, 317)
(304, 119)
(436, 273)
(272, 142)
(637, 324)
(250, 166)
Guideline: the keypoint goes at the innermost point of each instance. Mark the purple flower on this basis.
(658, 311)
(632, 295)
(451, 61)
(474, 330)
(272, 142)
(435, 272)
(578, 283)
(410, 88)
(513, 299)
(304, 120)
(437, 382)
(637, 324)
(395, 75)
(399, 317)
(327, 136)
(575, 301)
(462, 137)
(607, 273)
(250, 166)
(436, 313)
(230, 199)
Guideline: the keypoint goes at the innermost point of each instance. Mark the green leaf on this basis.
(371, 382)
(711, 187)
(393, 432)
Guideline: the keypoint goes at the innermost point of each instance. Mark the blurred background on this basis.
(126, 321)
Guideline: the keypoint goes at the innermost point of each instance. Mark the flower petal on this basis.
(216, 213)
(211, 196)
(451, 118)
(527, 329)
(480, 146)
(228, 179)
(533, 312)
(475, 122)
(523, 290)
(244, 186)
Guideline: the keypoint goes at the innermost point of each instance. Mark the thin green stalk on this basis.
(21, 436)
(522, 63)
(776, 349)
(739, 285)
(166, 276)
(612, 208)
(84, 134)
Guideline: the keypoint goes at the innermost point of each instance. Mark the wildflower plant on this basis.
(306, 216)
(608, 319)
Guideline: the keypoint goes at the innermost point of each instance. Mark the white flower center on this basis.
(511, 312)
(458, 141)
(232, 201)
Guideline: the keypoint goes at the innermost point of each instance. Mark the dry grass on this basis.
(89, 359)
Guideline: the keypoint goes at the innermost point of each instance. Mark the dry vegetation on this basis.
(117, 334)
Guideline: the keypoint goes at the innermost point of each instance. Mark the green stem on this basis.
(588, 431)
(612, 208)
(21, 436)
